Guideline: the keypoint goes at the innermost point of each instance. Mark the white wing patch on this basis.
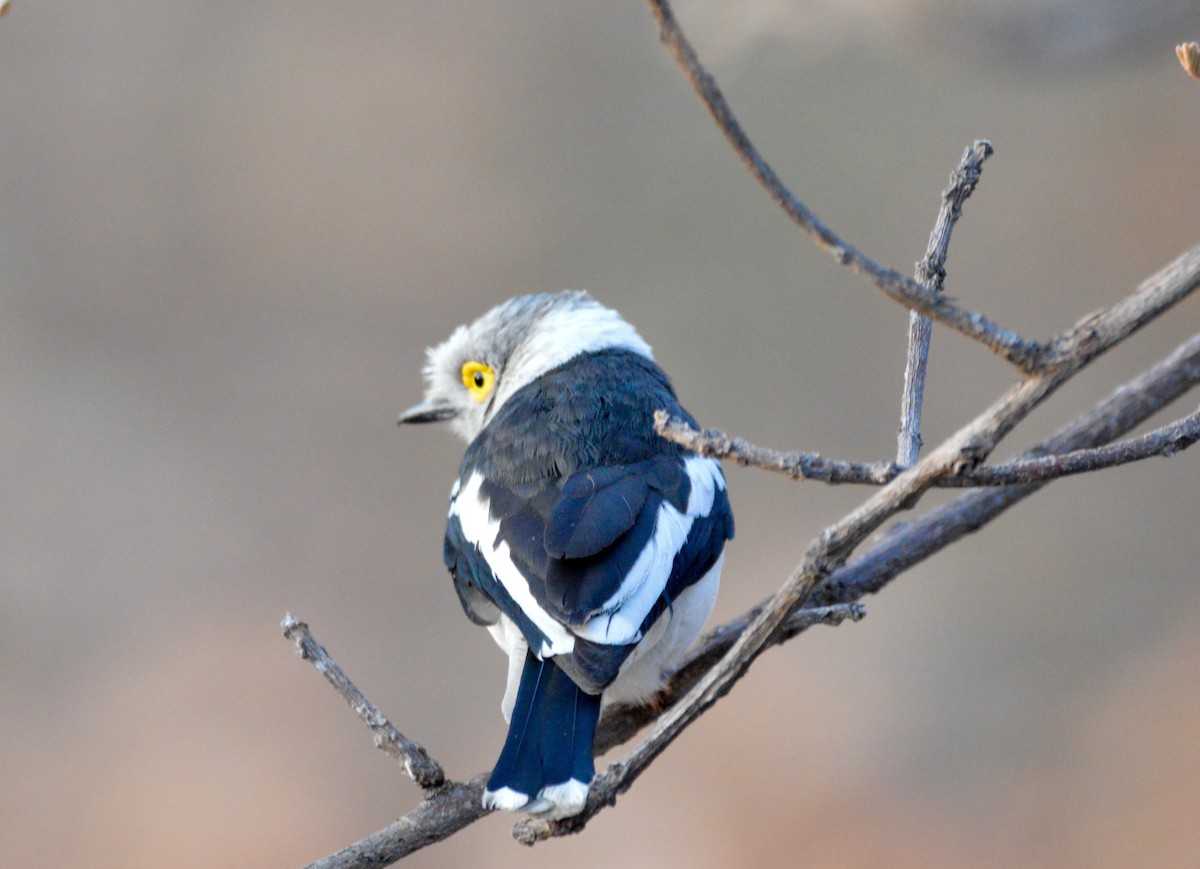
(481, 529)
(667, 639)
(621, 617)
(622, 614)
(706, 478)
(620, 620)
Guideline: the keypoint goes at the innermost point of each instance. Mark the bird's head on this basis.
(470, 375)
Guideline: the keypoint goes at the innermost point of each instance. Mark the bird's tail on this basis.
(546, 764)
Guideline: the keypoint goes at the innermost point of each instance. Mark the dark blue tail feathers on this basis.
(548, 752)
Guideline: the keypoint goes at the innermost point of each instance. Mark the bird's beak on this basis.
(427, 411)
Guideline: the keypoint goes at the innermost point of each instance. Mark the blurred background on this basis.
(229, 231)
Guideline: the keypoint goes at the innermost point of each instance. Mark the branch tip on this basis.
(1189, 58)
(930, 273)
(413, 757)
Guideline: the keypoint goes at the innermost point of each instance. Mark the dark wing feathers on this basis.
(577, 588)
(594, 508)
(606, 533)
(594, 665)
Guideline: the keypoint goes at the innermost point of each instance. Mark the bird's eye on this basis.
(478, 378)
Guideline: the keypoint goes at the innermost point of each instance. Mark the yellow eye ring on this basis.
(478, 378)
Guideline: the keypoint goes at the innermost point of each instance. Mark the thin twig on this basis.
(717, 444)
(1019, 351)
(1101, 329)
(931, 273)
(1164, 441)
(421, 768)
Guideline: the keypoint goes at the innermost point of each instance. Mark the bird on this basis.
(590, 547)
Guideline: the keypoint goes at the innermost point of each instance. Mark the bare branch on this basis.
(1017, 350)
(421, 768)
(931, 273)
(1099, 330)
(824, 554)
(717, 444)
(825, 575)
(738, 646)
(1165, 441)
(457, 805)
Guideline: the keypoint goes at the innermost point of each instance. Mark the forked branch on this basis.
(826, 584)
(1126, 408)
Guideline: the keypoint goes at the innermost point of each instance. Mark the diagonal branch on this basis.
(931, 272)
(1101, 329)
(1019, 351)
(439, 816)
(828, 551)
(1107, 327)
(1127, 407)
